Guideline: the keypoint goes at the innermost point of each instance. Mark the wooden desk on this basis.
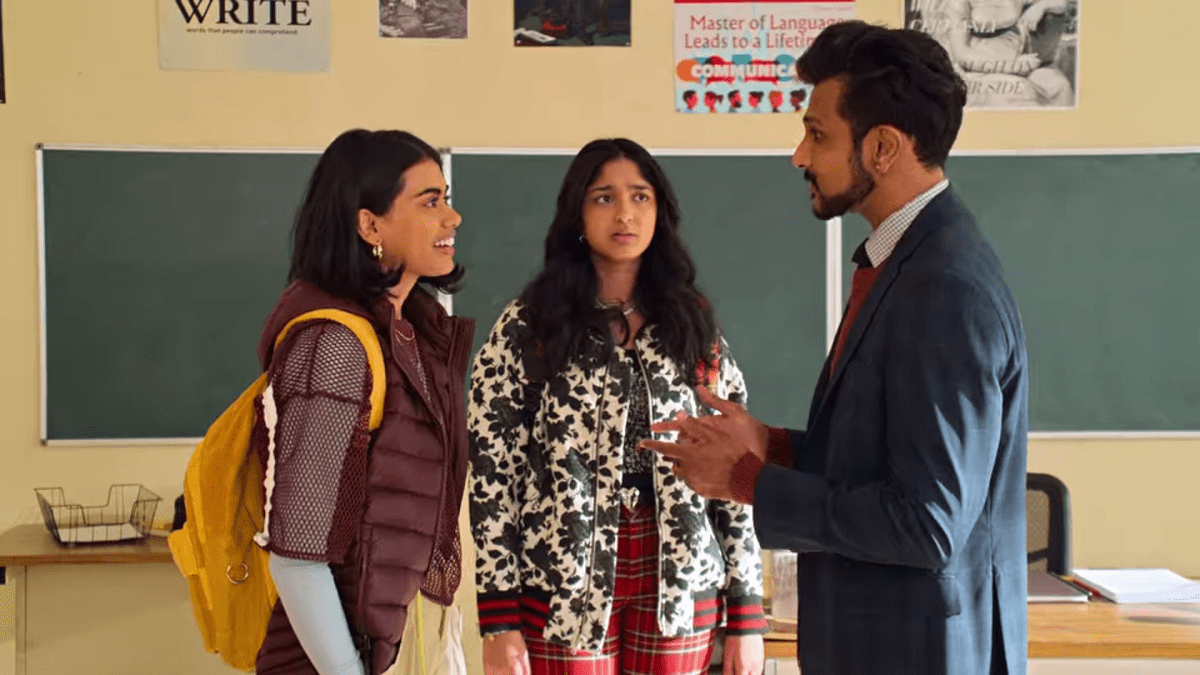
(32, 545)
(1097, 629)
(61, 607)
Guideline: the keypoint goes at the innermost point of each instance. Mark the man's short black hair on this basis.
(898, 77)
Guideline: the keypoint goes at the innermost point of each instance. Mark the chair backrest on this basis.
(1047, 523)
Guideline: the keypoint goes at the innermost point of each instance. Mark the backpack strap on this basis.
(420, 633)
(365, 332)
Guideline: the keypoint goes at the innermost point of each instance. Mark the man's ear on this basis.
(368, 228)
(882, 148)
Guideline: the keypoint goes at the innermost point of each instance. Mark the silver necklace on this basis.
(626, 307)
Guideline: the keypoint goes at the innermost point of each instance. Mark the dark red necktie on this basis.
(860, 286)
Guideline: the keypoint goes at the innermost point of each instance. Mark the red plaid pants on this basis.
(633, 644)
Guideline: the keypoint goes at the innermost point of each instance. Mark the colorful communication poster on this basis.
(738, 56)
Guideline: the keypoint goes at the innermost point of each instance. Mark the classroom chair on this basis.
(1047, 523)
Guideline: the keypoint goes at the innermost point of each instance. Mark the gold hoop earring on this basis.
(377, 251)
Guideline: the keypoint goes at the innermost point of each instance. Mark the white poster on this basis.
(739, 56)
(275, 35)
(1013, 54)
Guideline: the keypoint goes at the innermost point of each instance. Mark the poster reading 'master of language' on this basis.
(738, 56)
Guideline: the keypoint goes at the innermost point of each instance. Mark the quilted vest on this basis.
(416, 470)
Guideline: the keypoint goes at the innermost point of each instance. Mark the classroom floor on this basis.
(1073, 667)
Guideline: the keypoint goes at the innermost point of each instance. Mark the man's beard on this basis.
(834, 206)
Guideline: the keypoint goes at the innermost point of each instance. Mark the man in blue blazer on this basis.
(905, 496)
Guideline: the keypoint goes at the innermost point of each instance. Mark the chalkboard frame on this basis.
(834, 253)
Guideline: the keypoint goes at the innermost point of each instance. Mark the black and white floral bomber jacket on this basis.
(545, 496)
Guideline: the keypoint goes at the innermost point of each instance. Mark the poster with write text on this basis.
(738, 56)
(267, 35)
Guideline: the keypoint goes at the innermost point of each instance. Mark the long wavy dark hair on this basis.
(561, 299)
(359, 170)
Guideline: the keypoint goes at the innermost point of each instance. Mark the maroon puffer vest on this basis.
(416, 470)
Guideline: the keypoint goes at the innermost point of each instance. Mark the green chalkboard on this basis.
(159, 270)
(759, 252)
(1100, 251)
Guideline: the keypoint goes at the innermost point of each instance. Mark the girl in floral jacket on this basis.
(592, 556)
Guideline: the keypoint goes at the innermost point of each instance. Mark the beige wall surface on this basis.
(87, 72)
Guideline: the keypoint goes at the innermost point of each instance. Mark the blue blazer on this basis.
(907, 497)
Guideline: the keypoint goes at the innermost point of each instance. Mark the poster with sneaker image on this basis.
(571, 23)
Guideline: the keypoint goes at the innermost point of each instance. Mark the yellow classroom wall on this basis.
(80, 71)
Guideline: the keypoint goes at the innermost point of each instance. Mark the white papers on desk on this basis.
(1140, 585)
(91, 534)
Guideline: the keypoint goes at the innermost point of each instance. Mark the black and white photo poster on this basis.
(423, 19)
(1014, 54)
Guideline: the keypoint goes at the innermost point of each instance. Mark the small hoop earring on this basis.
(582, 240)
(377, 251)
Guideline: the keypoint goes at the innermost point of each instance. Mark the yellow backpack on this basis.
(228, 579)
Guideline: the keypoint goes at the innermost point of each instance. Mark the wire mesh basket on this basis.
(128, 514)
